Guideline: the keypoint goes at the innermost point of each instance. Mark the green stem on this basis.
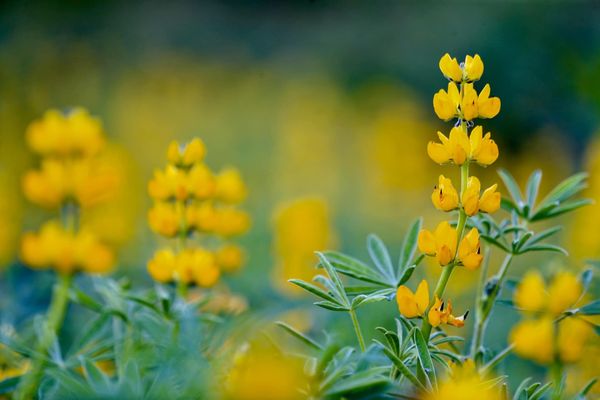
(359, 335)
(486, 304)
(54, 321)
(556, 372)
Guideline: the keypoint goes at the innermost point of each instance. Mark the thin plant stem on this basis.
(485, 307)
(359, 335)
(56, 315)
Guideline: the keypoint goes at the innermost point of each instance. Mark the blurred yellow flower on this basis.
(66, 252)
(261, 373)
(440, 244)
(162, 266)
(195, 265)
(533, 339)
(187, 155)
(230, 257)
(465, 383)
(165, 219)
(230, 221)
(531, 294)
(230, 186)
(301, 228)
(74, 132)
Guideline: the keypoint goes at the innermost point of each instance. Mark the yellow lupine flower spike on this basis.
(412, 305)
(441, 243)
(450, 68)
(445, 196)
(469, 250)
(531, 294)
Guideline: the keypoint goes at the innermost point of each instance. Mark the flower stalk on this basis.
(359, 336)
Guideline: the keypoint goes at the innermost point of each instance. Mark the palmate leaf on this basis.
(355, 268)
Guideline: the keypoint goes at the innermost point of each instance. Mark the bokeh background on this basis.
(325, 107)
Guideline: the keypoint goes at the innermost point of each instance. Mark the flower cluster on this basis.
(71, 176)
(190, 200)
(451, 244)
(542, 336)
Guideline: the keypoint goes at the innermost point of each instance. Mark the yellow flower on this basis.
(162, 266)
(469, 250)
(533, 339)
(229, 258)
(165, 219)
(458, 147)
(444, 196)
(75, 132)
(473, 68)
(454, 148)
(573, 335)
(441, 243)
(260, 373)
(484, 150)
(564, 290)
(202, 217)
(230, 221)
(469, 102)
(170, 183)
(450, 68)
(204, 269)
(64, 251)
(230, 186)
(411, 304)
(445, 104)
(190, 154)
(488, 107)
(530, 294)
(438, 314)
(465, 383)
(201, 182)
(472, 203)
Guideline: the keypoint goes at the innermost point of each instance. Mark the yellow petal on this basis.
(435, 315)
(533, 339)
(487, 151)
(444, 255)
(490, 200)
(469, 104)
(407, 304)
(470, 197)
(473, 67)
(438, 153)
(446, 236)
(444, 196)
(422, 297)
(450, 68)
(530, 294)
(443, 106)
(564, 290)
(426, 242)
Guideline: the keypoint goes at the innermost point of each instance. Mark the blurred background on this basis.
(324, 106)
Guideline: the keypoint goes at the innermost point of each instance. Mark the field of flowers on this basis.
(271, 227)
